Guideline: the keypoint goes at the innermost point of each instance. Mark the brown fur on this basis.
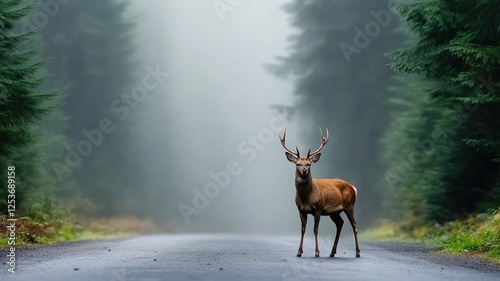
(323, 197)
(328, 196)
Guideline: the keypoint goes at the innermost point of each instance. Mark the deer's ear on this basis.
(315, 158)
(292, 158)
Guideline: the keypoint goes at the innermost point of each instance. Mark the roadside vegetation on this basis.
(47, 227)
(477, 235)
(443, 148)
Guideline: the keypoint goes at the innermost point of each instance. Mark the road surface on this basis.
(232, 257)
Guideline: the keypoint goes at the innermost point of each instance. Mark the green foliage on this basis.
(477, 235)
(444, 144)
(42, 226)
(386, 230)
(458, 44)
(22, 106)
(474, 234)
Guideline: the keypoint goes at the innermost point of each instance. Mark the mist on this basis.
(171, 110)
(137, 117)
(221, 166)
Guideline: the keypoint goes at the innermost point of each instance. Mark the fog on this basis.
(168, 112)
(215, 113)
(171, 110)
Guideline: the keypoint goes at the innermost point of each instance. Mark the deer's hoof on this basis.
(316, 256)
(357, 255)
(332, 255)
(299, 255)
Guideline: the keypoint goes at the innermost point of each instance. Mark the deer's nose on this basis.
(304, 171)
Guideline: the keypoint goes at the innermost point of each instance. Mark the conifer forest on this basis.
(170, 111)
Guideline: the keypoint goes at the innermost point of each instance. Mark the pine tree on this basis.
(21, 105)
(457, 47)
(422, 152)
(90, 46)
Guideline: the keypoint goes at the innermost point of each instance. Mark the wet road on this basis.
(233, 257)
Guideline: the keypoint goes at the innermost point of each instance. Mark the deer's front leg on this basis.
(317, 217)
(303, 220)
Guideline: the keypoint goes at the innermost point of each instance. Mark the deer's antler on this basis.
(324, 140)
(282, 139)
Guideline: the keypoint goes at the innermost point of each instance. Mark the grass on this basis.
(477, 235)
(386, 230)
(43, 230)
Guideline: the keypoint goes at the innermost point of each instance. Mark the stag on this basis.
(321, 197)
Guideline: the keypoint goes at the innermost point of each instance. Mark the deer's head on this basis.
(303, 164)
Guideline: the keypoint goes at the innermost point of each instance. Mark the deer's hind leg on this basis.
(350, 215)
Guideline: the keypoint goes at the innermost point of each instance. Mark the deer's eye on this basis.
(308, 165)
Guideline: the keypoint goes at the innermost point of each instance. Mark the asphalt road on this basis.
(230, 257)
